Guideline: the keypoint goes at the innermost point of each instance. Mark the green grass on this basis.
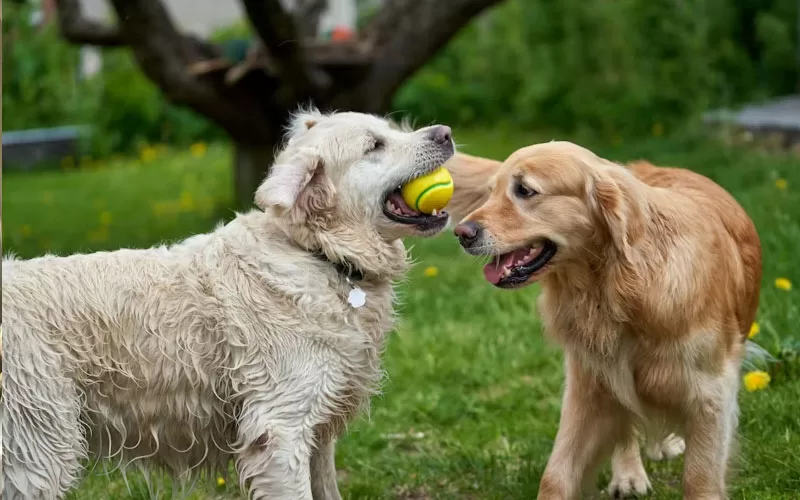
(471, 404)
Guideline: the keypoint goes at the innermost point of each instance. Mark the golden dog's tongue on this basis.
(502, 265)
(493, 271)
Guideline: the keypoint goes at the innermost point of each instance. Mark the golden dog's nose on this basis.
(467, 233)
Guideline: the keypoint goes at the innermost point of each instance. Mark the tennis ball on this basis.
(429, 192)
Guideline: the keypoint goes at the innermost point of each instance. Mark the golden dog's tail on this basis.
(471, 183)
(755, 356)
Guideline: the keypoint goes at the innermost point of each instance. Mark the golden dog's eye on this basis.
(523, 191)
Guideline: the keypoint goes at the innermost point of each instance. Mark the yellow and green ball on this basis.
(429, 192)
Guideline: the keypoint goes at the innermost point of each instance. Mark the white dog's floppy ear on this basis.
(287, 179)
(301, 122)
(298, 184)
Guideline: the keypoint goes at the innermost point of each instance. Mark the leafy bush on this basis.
(40, 84)
(624, 67)
(618, 68)
(132, 111)
(41, 88)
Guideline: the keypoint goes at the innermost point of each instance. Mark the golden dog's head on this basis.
(549, 205)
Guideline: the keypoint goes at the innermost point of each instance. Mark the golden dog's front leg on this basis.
(628, 477)
(592, 422)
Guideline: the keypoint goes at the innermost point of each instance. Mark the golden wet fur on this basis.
(651, 293)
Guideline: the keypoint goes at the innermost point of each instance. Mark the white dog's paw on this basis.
(670, 447)
(629, 484)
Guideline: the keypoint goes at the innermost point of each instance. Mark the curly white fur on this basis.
(237, 344)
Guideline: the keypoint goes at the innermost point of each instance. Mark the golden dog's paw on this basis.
(670, 447)
(629, 484)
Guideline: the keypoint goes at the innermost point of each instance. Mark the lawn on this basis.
(470, 407)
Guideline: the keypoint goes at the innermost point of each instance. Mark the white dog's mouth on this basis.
(397, 210)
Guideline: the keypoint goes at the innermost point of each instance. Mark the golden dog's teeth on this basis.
(434, 212)
(506, 272)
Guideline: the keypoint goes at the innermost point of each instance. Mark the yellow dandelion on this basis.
(148, 154)
(431, 272)
(105, 218)
(756, 380)
(198, 149)
(754, 329)
(220, 481)
(26, 230)
(781, 184)
(658, 130)
(186, 202)
(783, 284)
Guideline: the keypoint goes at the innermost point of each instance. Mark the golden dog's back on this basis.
(715, 200)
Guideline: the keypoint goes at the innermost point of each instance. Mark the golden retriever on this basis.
(649, 280)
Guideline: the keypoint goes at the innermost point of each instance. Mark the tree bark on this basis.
(250, 166)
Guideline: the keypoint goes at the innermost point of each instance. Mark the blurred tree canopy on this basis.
(615, 67)
(283, 68)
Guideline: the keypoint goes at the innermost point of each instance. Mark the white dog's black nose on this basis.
(441, 134)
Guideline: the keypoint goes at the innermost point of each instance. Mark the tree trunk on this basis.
(362, 76)
(250, 167)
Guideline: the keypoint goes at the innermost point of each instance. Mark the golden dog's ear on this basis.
(620, 209)
(298, 185)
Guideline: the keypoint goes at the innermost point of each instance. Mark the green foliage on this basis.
(40, 84)
(617, 68)
(42, 88)
(132, 111)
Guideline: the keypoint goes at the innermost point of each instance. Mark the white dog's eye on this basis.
(376, 145)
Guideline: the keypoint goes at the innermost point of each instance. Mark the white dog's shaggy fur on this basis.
(238, 344)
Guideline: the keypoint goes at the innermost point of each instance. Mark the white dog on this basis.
(256, 342)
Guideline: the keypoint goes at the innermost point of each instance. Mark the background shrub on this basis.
(613, 67)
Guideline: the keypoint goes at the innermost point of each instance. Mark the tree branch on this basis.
(277, 30)
(405, 34)
(306, 15)
(165, 55)
(77, 29)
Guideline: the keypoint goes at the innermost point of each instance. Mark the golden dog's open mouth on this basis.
(516, 268)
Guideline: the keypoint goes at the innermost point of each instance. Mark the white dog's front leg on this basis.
(276, 466)
(323, 471)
